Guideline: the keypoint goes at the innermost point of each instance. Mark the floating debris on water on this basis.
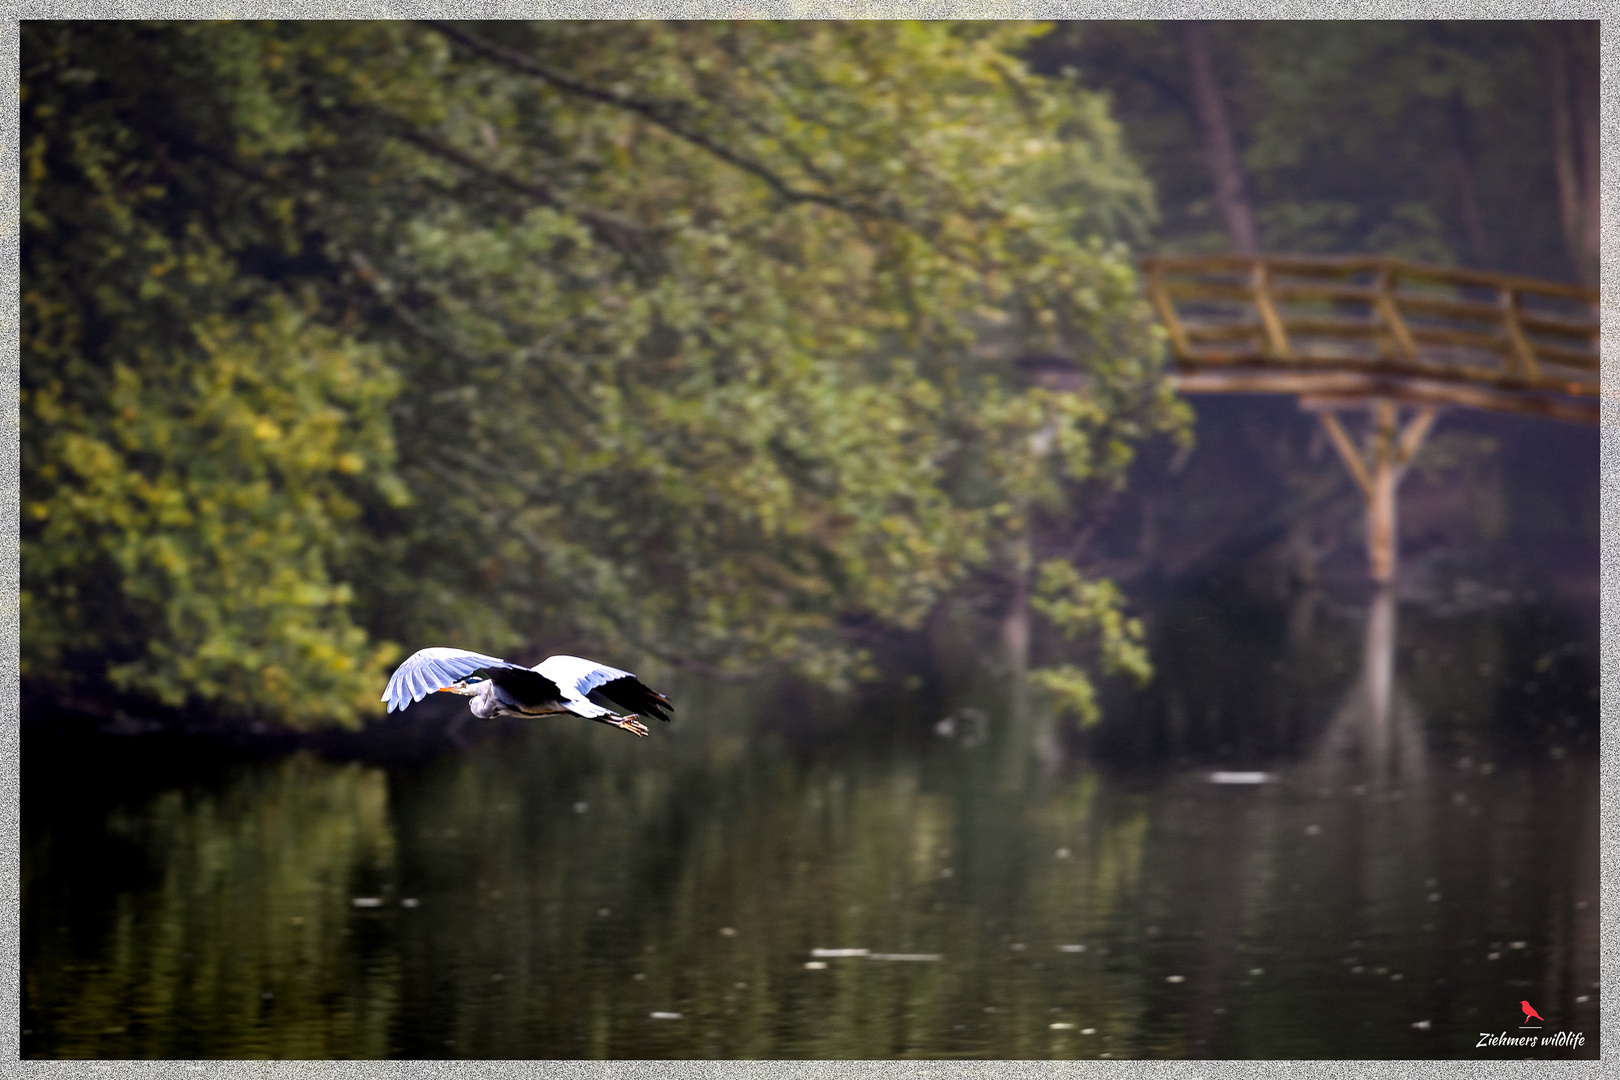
(1239, 777)
(1088, 1031)
(840, 952)
(1061, 1027)
(728, 931)
(1423, 1025)
(409, 901)
(367, 901)
(1061, 853)
(1071, 948)
(815, 965)
(905, 956)
(1175, 978)
(664, 1016)
(1257, 971)
(581, 807)
(1313, 830)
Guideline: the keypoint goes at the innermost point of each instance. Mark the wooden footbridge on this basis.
(1383, 336)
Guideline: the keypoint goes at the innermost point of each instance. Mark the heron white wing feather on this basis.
(428, 670)
(578, 676)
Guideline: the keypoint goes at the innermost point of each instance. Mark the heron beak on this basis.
(456, 688)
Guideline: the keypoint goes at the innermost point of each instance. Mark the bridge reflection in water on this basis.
(1376, 736)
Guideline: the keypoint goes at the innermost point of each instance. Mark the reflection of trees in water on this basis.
(247, 946)
(554, 868)
(892, 854)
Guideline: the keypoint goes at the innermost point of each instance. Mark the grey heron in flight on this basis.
(558, 684)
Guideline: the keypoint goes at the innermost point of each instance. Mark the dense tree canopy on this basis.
(701, 342)
(1454, 142)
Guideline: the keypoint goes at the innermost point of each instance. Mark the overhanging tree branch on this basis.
(615, 231)
(387, 295)
(668, 115)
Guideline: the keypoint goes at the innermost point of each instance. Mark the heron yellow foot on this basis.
(631, 724)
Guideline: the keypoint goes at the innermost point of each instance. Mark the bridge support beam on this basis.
(1378, 468)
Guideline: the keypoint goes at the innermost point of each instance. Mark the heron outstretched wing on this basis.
(583, 676)
(428, 670)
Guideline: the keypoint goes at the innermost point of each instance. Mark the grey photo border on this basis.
(10, 864)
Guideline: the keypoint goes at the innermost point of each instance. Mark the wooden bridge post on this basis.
(1378, 473)
(1381, 506)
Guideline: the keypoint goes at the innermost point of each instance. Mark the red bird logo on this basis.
(1529, 1011)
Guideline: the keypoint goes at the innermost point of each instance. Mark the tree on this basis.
(713, 358)
(1409, 138)
(1573, 87)
(1220, 152)
(196, 441)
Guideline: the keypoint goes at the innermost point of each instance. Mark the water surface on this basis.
(1420, 855)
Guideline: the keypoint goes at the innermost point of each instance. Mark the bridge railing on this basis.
(1379, 316)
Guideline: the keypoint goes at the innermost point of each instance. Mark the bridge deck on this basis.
(1339, 330)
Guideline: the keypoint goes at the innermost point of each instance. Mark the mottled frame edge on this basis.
(1609, 529)
(10, 419)
(10, 548)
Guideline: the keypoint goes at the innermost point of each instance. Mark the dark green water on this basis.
(1423, 856)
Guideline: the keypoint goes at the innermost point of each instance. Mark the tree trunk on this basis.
(1588, 89)
(1463, 155)
(1015, 628)
(1220, 149)
(1573, 87)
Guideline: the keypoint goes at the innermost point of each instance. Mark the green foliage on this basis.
(193, 442)
(706, 357)
(1093, 609)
